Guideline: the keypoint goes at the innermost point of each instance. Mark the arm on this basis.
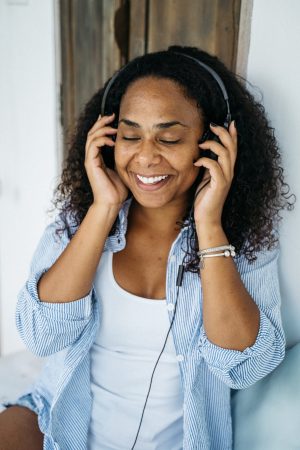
(49, 326)
(230, 315)
(241, 368)
(241, 338)
(55, 306)
(72, 274)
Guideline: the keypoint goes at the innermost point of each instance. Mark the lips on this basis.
(152, 179)
(151, 186)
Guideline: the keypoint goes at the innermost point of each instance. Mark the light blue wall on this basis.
(274, 66)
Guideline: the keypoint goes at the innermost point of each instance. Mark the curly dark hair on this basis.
(258, 192)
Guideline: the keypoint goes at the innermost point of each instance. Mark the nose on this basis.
(147, 154)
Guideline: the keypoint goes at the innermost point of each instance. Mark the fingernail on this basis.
(99, 117)
(234, 123)
(213, 124)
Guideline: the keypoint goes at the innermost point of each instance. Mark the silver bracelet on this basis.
(229, 250)
(213, 249)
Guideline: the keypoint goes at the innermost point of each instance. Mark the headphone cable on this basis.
(180, 274)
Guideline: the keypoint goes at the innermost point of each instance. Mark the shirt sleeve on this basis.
(240, 369)
(47, 327)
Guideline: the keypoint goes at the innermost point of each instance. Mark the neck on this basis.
(162, 221)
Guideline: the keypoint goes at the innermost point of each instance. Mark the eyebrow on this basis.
(160, 126)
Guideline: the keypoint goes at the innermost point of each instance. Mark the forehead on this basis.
(163, 95)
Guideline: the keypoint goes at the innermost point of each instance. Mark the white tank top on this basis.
(130, 337)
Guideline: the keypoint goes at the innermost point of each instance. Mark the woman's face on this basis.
(157, 142)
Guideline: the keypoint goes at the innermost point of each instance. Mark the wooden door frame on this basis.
(243, 43)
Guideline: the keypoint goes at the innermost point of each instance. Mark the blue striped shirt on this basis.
(65, 332)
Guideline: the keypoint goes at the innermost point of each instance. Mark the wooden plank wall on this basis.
(209, 24)
(99, 36)
(91, 50)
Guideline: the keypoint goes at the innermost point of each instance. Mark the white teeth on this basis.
(151, 180)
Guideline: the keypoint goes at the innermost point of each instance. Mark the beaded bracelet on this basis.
(228, 250)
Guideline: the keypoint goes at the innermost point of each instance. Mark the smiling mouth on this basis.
(151, 183)
(151, 180)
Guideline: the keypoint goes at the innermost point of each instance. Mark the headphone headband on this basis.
(203, 65)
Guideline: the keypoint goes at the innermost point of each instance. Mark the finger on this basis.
(97, 137)
(224, 157)
(233, 131)
(214, 168)
(102, 131)
(94, 149)
(101, 122)
(205, 179)
(226, 139)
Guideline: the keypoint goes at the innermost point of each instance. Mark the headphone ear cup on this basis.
(209, 136)
(108, 156)
(108, 151)
(114, 124)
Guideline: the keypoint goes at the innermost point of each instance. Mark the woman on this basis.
(155, 291)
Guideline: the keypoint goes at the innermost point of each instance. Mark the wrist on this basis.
(104, 212)
(211, 235)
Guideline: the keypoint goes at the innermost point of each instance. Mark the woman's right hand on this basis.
(108, 189)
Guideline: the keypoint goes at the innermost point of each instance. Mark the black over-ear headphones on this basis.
(207, 135)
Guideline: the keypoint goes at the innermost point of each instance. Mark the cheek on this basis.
(189, 172)
(185, 163)
(191, 175)
(121, 156)
(122, 159)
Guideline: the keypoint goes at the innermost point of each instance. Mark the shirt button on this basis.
(170, 306)
(173, 258)
(180, 358)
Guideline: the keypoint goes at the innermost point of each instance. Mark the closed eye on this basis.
(170, 142)
(161, 140)
(130, 139)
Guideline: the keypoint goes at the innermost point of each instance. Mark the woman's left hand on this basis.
(209, 202)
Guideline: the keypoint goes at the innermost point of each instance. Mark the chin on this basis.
(148, 202)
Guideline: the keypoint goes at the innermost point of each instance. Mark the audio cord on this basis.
(179, 281)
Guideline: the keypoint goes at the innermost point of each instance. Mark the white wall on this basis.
(28, 155)
(274, 66)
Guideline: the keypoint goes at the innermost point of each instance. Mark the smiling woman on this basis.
(147, 148)
(156, 291)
